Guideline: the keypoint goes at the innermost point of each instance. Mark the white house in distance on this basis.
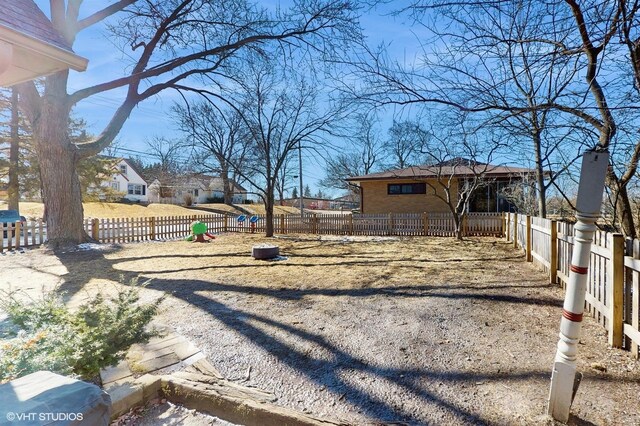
(200, 189)
(128, 180)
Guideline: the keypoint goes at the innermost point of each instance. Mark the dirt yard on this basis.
(365, 330)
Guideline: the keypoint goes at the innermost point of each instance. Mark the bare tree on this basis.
(170, 43)
(168, 153)
(460, 159)
(405, 143)
(362, 156)
(219, 139)
(286, 177)
(493, 59)
(281, 112)
(555, 45)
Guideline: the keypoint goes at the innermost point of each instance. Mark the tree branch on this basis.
(103, 14)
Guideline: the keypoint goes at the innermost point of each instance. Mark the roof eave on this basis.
(359, 179)
(40, 47)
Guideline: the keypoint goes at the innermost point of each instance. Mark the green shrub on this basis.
(48, 336)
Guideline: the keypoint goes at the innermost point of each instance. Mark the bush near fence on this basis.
(613, 287)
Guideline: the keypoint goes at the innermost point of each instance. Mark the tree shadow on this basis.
(84, 266)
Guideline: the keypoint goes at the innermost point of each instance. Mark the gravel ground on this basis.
(164, 413)
(368, 330)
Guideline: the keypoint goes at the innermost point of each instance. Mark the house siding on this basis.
(375, 198)
(131, 177)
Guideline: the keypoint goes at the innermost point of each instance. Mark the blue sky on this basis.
(152, 117)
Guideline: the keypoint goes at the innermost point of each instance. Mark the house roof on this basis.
(133, 167)
(30, 46)
(205, 182)
(455, 167)
(216, 184)
(129, 163)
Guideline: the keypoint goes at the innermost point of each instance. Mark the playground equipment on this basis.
(198, 231)
(252, 223)
(253, 220)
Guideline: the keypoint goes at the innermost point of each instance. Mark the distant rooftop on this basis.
(456, 167)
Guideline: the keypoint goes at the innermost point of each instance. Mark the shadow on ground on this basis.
(324, 372)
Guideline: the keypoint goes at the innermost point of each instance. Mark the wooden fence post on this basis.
(425, 223)
(17, 233)
(515, 230)
(553, 261)
(224, 225)
(282, 224)
(391, 224)
(616, 289)
(95, 229)
(529, 243)
(315, 224)
(351, 224)
(504, 225)
(508, 234)
(152, 228)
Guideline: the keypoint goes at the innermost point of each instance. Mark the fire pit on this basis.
(265, 251)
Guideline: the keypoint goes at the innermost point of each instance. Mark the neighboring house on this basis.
(29, 45)
(314, 203)
(412, 190)
(201, 189)
(350, 201)
(127, 180)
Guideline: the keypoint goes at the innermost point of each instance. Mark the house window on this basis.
(406, 188)
(196, 192)
(115, 186)
(123, 169)
(134, 189)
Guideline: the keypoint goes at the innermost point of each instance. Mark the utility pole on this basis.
(564, 380)
(300, 174)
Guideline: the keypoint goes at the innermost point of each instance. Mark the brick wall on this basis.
(376, 200)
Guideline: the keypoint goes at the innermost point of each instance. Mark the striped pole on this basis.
(563, 378)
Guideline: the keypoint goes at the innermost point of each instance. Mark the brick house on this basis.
(413, 189)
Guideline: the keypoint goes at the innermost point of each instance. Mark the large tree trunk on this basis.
(58, 159)
(226, 186)
(542, 190)
(14, 154)
(624, 211)
(268, 206)
(281, 194)
(458, 221)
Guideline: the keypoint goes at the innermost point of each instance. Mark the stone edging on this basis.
(203, 389)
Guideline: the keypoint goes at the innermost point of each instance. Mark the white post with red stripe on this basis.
(563, 378)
